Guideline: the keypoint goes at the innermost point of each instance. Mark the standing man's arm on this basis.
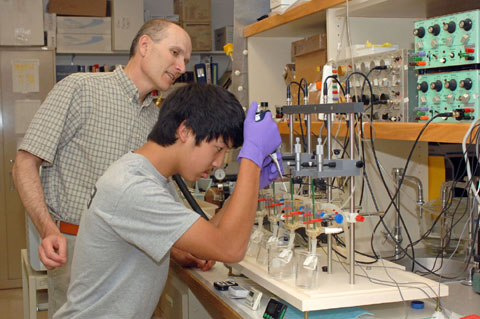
(53, 249)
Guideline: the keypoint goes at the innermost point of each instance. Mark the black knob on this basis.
(384, 97)
(337, 151)
(437, 85)
(420, 32)
(359, 164)
(365, 99)
(466, 84)
(422, 86)
(434, 29)
(465, 24)
(331, 164)
(450, 27)
(451, 85)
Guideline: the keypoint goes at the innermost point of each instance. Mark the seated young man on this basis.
(135, 217)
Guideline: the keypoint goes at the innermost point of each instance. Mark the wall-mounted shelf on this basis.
(293, 22)
(400, 131)
(305, 18)
(127, 52)
(94, 53)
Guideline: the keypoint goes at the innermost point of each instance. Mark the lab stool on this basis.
(35, 289)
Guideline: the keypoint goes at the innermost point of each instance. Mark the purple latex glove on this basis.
(269, 171)
(259, 138)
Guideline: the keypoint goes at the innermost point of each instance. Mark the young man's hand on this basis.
(260, 138)
(269, 171)
(186, 259)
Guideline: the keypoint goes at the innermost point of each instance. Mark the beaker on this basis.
(262, 256)
(280, 261)
(446, 226)
(307, 266)
(255, 242)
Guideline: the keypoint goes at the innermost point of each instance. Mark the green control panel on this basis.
(456, 92)
(449, 40)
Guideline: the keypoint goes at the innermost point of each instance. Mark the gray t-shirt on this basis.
(123, 246)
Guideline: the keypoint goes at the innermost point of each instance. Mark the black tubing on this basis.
(190, 199)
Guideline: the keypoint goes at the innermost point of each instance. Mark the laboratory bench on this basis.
(462, 300)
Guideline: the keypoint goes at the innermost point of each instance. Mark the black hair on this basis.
(156, 29)
(210, 111)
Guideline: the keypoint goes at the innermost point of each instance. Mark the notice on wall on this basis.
(25, 75)
(24, 112)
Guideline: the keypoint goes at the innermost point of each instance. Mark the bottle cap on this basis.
(417, 304)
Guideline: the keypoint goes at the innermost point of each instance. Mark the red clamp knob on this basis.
(359, 218)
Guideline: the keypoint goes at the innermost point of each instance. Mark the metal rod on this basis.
(397, 175)
(329, 154)
(352, 201)
(329, 251)
(291, 118)
(309, 133)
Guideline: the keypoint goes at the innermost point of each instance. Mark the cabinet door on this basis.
(27, 75)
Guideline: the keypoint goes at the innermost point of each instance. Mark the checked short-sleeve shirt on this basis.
(88, 121)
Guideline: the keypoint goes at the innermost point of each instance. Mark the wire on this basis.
(392, 199)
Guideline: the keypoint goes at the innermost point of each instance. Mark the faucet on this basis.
(397, 176)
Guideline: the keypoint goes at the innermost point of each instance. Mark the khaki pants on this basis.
(58, 280)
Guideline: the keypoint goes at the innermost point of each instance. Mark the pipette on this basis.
(259, 115)
(274, 158)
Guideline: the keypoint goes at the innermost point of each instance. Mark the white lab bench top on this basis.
(462, 300)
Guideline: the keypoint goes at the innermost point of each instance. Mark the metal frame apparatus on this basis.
(314, 165)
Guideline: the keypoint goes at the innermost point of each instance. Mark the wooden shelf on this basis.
(306, 18)
(435, 132)
(308, 15)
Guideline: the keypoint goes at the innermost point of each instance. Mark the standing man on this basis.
(134, 216)
(88, 121)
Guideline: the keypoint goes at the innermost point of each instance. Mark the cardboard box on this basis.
(127, 19)
(83, 43)
(223, 36)
(198, 11)
(21, 22)
(154, 9)
(201, 35)
(310, 44)
(50, 29)
(84, 25)
(310, 66)
(89, 8)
